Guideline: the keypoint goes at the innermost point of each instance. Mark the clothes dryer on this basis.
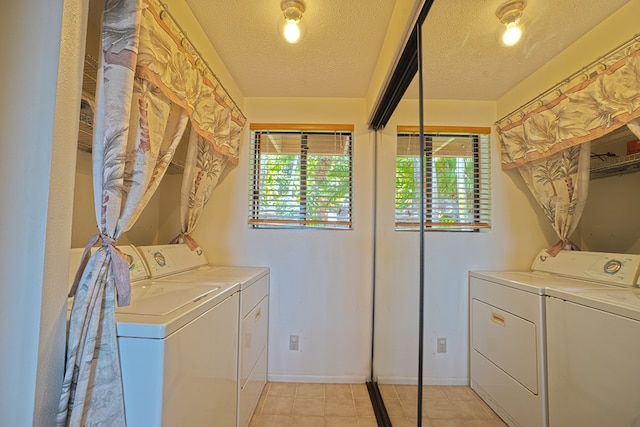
(253, 333)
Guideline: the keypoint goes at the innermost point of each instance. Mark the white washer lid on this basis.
(620, 301)
(163, 308)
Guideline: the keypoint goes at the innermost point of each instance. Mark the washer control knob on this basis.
(612, 266)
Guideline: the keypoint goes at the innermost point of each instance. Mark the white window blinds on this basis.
(457, 171)
(301, 177)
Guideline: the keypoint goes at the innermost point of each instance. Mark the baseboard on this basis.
(426, 381)
(344, 379)
(361, 379)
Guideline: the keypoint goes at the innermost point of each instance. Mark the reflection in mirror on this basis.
(395, 352)
(472, 80)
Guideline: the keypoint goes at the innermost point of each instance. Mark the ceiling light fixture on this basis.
(509, 14)
(292, 11)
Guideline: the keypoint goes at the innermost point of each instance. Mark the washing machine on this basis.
(508, 327)
(178, 349)
(593, 354)
(252, 323)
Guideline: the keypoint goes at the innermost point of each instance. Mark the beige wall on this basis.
(402, 22)
(610, 219)
(158, 223)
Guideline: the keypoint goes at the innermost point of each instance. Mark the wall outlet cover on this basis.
(294, 342)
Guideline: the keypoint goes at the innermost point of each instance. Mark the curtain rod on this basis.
(198, 55)
(582, 71)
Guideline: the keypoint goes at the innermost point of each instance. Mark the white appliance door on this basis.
(592, 359)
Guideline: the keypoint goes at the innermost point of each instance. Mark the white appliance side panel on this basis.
(252, 389)
(198, 376)
(142, 362)
(253, 294)
(593, 357)
(508, 341)
(254, 338)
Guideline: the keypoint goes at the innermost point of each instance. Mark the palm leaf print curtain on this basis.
(136, 131)
(560, 183)
(148, 88)
(202, 170)
(216, 122)
(548, 139)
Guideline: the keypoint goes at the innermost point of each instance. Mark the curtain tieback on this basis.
(187, 240)
(119, 268)
(554, 249)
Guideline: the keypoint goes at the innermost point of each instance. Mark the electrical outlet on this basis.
(294, 342)
(442, 345)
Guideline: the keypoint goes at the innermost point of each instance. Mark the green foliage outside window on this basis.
(454, 194)
(301, 180)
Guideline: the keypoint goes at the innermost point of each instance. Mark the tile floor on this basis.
(348, 405)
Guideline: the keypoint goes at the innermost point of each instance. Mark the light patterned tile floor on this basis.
(346, 405)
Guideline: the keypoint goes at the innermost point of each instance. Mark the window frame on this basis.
(481, 212)
(255, 221)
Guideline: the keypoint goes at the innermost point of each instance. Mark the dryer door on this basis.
(508, 341)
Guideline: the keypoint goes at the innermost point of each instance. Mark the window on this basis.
(301, 176)
(457, 196)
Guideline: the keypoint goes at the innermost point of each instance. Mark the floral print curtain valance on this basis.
(168, 60)
(599, 99)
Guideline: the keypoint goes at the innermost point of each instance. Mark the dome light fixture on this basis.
(509, 13)
(292, 11)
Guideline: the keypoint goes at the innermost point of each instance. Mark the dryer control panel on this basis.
(602, 267)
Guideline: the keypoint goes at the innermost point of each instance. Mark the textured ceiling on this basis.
(338, 53)
(465, 58)
(335, 58)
